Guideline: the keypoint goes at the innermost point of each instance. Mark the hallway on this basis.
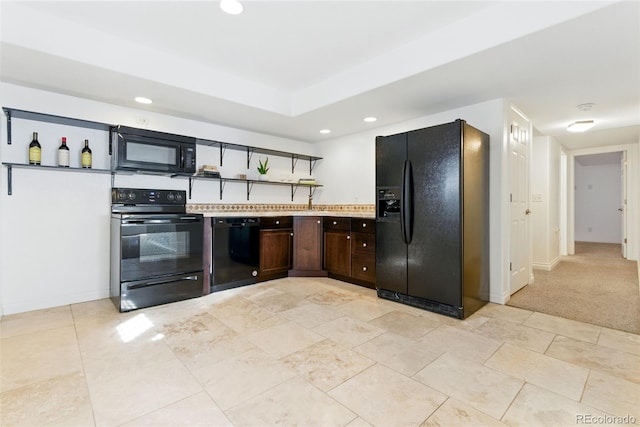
(596, 285)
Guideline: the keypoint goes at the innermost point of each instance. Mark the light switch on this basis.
(537, 197)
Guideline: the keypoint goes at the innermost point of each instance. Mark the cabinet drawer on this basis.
(363, 244)
(362, 225)
(337, 224)
(363, 268)
(276, 222)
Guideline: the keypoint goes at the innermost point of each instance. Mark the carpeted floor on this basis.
(596, 285)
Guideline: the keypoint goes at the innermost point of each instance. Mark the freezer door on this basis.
(434, 255)
(391, 257)
(391, 152)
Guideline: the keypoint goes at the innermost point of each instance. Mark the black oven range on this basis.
(156, 248)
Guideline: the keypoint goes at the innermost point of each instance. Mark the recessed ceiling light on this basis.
(370, 119)
(580, 126)
(142, 100)
(232, 7)
(325, 131)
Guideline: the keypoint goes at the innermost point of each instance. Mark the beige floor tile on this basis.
(460, 342)
(311, 315)
(482, 388)
(518, 335)
(249, 319)
(537, 407)
(552, 374)
(620, 340)
(358, 422)
(348, 331)
(31, 358)
(294, 402)
(298, 286)
(454, 413)
(242, 377)
(408, 325)
(504, 312)
(566, 327)
(277, 301)
(284, 339)
(327, 364)
(121, 392)
(62, 400)
(332, 297)
(364, 310)
(592, 356)
(612, 395)
(194, 411)
(399, 353)
(35, 321)
(102, 308)
(383, 397)
(471, 323)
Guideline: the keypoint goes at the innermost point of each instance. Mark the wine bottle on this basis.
(86, 155)
(35, 151)
(63, 154)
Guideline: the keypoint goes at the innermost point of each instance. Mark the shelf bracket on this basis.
(8, 114)
(223, 148)
(191, 181)
(294, 188)
(9, 183)
(222, 184)
(312, 164)
(294, 161)
(249, 156)
(249, 188)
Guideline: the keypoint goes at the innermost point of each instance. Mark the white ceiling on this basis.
(291, 68)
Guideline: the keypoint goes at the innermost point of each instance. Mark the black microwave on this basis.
(142, 150)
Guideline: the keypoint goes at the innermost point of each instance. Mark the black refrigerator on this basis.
(432, 218)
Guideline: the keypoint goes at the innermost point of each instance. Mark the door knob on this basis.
(527, 212)
(620, 209)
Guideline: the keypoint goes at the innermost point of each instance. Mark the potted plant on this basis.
(263, 168)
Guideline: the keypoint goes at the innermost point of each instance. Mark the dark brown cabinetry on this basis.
(276, 247)
(363, 251)
(350, 250)
(337, 246)
(307, 243)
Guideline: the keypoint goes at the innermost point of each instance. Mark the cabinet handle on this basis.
(277, 222)
(364, 245)
(335, 222)
(348, 237)
(364, 225)
(318, 221)
(364, 268)
(291, 234)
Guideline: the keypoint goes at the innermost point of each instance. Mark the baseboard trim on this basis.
(547, 266)
(50, 302)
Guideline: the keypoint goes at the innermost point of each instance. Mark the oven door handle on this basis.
(183, 219)
(161, 282)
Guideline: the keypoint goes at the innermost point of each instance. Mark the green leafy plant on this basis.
(263, 168)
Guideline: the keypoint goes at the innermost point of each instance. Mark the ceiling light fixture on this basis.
(370, 119)
(232, 7)
(580, 126)
(325, 131)
(142, 100)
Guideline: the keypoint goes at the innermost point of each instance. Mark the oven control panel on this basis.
(145, 197)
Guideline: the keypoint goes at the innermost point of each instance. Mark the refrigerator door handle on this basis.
(406, 207)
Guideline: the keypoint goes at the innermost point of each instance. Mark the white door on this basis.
(623, 203)
(520, 253)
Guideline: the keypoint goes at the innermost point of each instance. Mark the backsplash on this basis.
(258, 207)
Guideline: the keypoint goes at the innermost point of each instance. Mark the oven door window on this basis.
(157, 250)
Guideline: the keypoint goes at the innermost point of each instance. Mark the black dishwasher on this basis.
(235, 255)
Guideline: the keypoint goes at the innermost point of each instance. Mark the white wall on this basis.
(354, 177)
(598, 192)
(545, 203)
(54, 229)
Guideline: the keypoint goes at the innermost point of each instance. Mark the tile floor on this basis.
(311, 352)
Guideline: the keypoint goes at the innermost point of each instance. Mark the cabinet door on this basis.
(337, 252)
(307, 244)
(275, 250)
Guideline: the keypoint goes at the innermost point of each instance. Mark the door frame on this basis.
(633, 195)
